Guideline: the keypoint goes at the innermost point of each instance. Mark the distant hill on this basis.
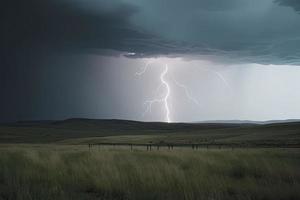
(80, 131)
(249, 121)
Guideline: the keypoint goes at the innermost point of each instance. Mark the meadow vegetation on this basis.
(75, 172)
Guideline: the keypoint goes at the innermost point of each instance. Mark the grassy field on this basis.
(74, 172)
(51, 160)
(83, 131)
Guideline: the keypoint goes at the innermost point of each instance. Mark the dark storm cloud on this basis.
(241, 31)
(55, 24)
(295, 4)
(238, 30)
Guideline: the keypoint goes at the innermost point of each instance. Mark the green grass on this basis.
(74, 172)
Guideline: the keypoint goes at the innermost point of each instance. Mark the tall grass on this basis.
(76, 173)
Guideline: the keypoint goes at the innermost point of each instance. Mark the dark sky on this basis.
(59, 57)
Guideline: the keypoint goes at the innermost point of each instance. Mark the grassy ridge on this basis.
(72, 172)
(82, 131)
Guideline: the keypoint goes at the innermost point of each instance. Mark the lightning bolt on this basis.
(144, 69)
(165, 83)
(163, 99)
(187, 92)
(219, 76)
(222, 79)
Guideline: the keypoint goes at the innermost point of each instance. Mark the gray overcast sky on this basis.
(232, 59)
